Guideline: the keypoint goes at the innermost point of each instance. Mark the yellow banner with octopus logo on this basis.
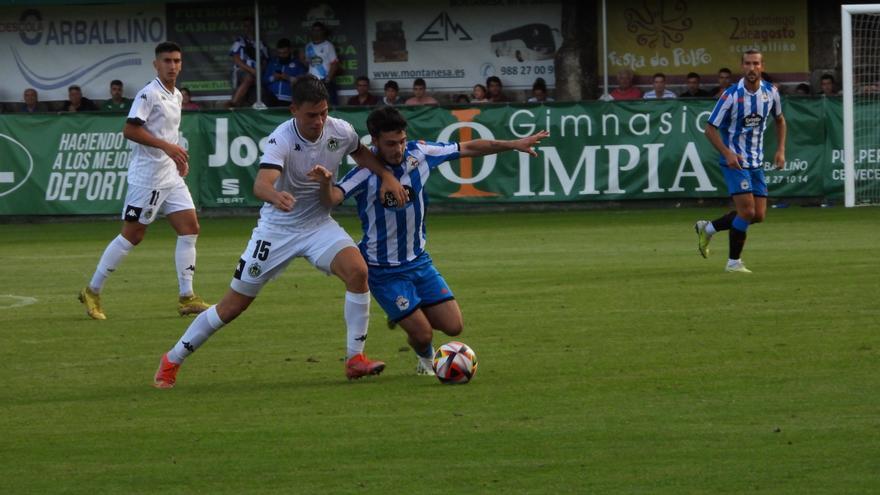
(678, 37)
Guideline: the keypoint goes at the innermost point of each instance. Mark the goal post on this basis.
(860, 34)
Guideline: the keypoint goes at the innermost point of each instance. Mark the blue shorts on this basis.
(747, 180)
(401, 290)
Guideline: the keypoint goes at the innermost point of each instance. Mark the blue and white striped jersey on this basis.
(741, 118)
(394, 236)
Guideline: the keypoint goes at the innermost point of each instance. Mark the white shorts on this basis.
(270, 250)
(143, 204)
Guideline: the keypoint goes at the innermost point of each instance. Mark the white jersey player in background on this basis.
(294, 223)
(155, 184)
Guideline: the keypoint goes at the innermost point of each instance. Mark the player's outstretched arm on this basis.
(781, 130)
(482, 147)
(729, 156)
(330, 196)
(264, 188)
(366, 159)
(142, 136)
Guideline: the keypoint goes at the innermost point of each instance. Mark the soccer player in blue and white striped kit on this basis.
(402, 276)
(736, 129)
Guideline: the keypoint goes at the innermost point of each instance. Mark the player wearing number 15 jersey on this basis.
(155, 185)
(402, 276)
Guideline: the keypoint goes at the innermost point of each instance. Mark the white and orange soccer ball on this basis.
(455, 363)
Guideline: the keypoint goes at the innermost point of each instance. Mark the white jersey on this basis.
(158, 111)
(320, 56)
(294, 155)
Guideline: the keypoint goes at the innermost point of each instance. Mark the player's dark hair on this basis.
(385, 119)
(752, 52)
(491, 79)
(74, 87)
(362, 78)
(827, 77)
(660, 75)
(283, 43)
(420, 82)
(308, 89)
(725, 69)
(323, 27)
(115, 82)
(392, 85)
(692, 75)
(540, 83)
(167, 47)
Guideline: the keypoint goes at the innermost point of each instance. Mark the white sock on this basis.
(357, 318)
(116, 251)
(732, 261)
(205, 324)
(710, 229)
(185, 260)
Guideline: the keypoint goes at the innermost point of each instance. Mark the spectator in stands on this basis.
(802, 89)
(32, 103)
(659, 90)
(462, 99)
(494, 90)
(625, 89)
(693, 87)
(539, 92)
(420, 94)
(322, 59)
(363, 98)
(391, 90)
(117, 102)
(76, 102)
(480, 95)
(827, 86)
(244, 62)
(188, 104)
(280, 73)
(723, 83)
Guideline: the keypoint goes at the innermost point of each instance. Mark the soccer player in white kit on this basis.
(155, 185)
(293, 223)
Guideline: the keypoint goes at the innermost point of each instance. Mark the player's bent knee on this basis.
(454, 329)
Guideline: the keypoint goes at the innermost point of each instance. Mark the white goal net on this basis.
(861, 103)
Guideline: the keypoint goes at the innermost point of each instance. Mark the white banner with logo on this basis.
(456, 44)
(51, 48)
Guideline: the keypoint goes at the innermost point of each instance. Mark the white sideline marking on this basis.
(16, 301)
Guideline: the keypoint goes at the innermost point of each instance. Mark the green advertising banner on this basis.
(597, 151)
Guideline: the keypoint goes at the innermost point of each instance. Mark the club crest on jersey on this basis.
(148, 213)
(412, 162)
(255, 270)
(402, 303)
(744, 185)
(332, 144)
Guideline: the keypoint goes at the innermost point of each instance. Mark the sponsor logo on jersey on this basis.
(752, 120)
(402, 303)
(132, 213)
(272, 141)
(143, 96)
(332, 144)
(255, 270)
(297, 147)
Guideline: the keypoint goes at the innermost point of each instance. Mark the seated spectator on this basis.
(693, 87)
(117, 102)
(494, 90)
(625, 89)
(420, 94)
(826, 85)
(280, 73)
(539, 92)
(32, 103)
(188, 104)
(802, 89)
(363, 98)
(244, 62)
(391, 91)
(76, 102)
(480, 95)
(462, 99)
(723, 83)
(659, 90)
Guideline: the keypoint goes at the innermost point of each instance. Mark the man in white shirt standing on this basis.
(155, 184)
(322, 59)
(659, 90)
(293, 224)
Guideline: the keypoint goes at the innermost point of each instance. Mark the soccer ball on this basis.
(455, 363)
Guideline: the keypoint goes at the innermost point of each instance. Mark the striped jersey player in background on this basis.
(294, 223)
(736, 129)
(155, 184)
(402, 276)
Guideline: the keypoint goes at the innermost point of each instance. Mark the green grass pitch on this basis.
(613, 359)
